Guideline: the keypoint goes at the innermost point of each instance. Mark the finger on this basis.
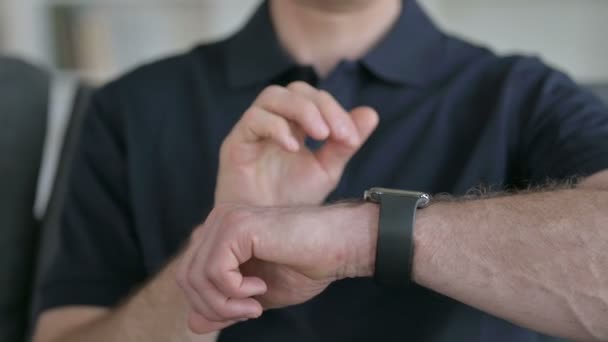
(294, 107)
(342, 126)
(260, 124)
(194, 299)
(340, 123)
(220, 266)
(199, 289)
(334, 156)
(221, 308)
(366, 120)
(234, 285)
(251, 287)
(193, 278)
(186, 278)
(199, 325)
(225, 273)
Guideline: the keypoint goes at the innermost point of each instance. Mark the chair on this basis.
(23, 107)
(37, 138)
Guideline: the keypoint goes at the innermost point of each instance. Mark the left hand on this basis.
(264, 162)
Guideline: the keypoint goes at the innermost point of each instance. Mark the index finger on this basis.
(296, 108)
(339, 121)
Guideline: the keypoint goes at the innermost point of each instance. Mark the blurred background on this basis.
(97, 40)
(102, 38)
(41, 107)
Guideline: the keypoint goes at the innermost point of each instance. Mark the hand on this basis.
(264, 162)
(244, 259)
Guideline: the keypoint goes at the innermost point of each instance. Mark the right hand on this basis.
(245, 259)
(264, 162)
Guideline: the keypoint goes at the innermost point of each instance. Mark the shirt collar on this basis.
(254, 54)
(411, 51)
(408, 54)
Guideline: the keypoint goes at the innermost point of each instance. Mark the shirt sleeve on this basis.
(566, 132)
(97, 261)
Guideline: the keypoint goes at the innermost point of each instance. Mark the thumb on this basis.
(334, 155)
(366, 120)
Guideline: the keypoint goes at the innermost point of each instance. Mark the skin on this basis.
(264, 162)
(231, 271)
(320, 33)
(261, 157)
(159, 311)
(537, 259)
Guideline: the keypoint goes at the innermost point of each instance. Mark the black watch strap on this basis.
(394, 249)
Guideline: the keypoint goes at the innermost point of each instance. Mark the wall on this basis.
(570, 34)
(23, 24)
(114, 35)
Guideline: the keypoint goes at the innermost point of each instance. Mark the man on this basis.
(446, 116)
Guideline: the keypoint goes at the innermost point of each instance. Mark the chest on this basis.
(432, 142)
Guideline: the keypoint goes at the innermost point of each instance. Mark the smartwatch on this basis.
(395, 233)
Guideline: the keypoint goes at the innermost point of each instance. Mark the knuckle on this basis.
(307, 110)
(214, 274)
(214, 305)
(324, 95)
(274, 89)
(298, 86)
(270, 93)
(222, 313)
(220, 307)
(193, 280)
(250, 113)
(334, 177)
(279, 126)
(326, 98)
(228, 287)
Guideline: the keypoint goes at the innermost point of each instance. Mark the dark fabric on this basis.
(453, 116)
(23, 107)
(601, 90)
(49, 232)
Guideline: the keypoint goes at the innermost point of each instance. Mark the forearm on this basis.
(538, 259)
(157, 312)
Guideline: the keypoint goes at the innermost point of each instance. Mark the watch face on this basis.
(374, 194)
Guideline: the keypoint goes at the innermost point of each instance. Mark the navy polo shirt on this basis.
(452, 116)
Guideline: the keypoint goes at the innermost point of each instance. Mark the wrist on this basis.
(361, 224)
(427, 234)
(361, 221)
